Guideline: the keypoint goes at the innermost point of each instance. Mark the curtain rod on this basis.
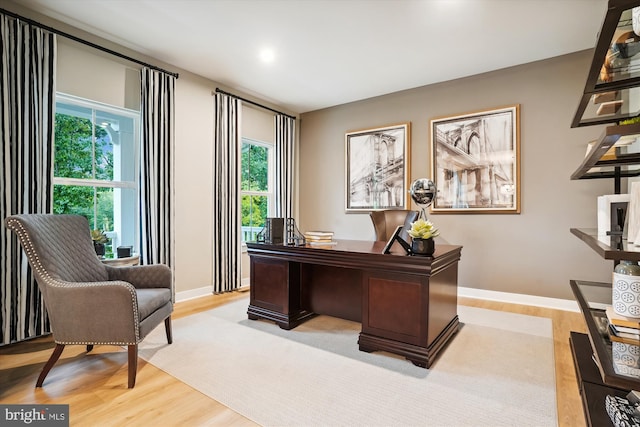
(218, 90)
(85, 42)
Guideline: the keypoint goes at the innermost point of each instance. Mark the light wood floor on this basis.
(95, 384)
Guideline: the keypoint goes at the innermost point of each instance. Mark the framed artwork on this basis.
(377, 168)
(475, 162)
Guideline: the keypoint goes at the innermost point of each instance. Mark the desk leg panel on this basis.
(443, 301)
(275, 292)
(410, 315)
(394, 307)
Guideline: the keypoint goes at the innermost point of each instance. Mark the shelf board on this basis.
(602, 245)
(608, 138)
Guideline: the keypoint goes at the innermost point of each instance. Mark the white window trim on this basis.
(94, 183)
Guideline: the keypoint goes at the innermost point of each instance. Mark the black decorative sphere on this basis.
(423, 191)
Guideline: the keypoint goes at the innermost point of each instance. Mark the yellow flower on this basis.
(422, 229)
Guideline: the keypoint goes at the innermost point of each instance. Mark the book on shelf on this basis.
(623, 337)
(619, 320)
(626, 330)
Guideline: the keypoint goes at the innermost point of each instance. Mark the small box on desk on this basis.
(124, 251)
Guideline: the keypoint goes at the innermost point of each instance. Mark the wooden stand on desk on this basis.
(407, 305)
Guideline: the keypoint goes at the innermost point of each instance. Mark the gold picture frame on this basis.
(377, 168)
(475, 161)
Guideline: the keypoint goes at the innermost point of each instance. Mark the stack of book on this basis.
(319, 238)
(623, 329)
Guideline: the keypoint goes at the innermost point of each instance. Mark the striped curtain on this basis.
(27, 103)
(156, 168)
(226, 194)
(284, 165)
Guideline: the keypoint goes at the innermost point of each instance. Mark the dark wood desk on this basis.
(407, 304)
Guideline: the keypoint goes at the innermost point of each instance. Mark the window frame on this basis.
(270, 180)
(135, 116)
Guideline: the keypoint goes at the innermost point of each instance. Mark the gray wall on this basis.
(531, 253)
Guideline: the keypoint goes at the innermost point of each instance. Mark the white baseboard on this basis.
(193, 293)
(205, 291)
(555, 303)
(506, 297)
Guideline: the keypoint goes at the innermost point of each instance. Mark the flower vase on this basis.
(423, 247)
(626, 289)
(99, 247)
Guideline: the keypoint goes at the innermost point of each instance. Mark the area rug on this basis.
(498, 370)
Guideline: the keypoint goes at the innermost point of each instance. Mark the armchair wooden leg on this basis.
(52, 361)
(89, 347)
(133, 364)
(167, 328)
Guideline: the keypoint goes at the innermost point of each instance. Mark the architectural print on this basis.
(476, 162)
(376, 168)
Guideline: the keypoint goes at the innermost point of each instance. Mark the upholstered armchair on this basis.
(385, 222)
(88, 302)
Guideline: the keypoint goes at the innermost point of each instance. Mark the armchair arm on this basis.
(143, 276)
(93, 312)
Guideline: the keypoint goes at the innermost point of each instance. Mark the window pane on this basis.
(254, 212)
(104, 155)
(73, 199)
(255, 167)
(115, 155)
(104, 209)
(73, 147)
(95, 204)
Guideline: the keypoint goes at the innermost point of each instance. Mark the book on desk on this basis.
(320, 238)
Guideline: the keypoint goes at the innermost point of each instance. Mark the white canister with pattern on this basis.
(626, 289)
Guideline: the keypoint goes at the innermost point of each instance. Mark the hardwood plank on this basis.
(95, 384)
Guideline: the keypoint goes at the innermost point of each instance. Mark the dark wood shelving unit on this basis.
(611, 88)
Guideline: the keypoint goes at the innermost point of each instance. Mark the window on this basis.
(95, 167)
(256, 186)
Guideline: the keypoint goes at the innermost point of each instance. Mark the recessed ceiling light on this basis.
(267, 55)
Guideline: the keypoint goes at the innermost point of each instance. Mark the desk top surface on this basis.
(357, 253)
(359, 246)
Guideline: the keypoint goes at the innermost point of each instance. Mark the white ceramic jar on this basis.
(626, 289)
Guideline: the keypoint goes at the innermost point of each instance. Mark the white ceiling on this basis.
(330, 52)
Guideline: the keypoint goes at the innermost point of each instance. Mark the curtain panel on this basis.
(284, 165)
(226, 194)
(156, 168)
(27, 113)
